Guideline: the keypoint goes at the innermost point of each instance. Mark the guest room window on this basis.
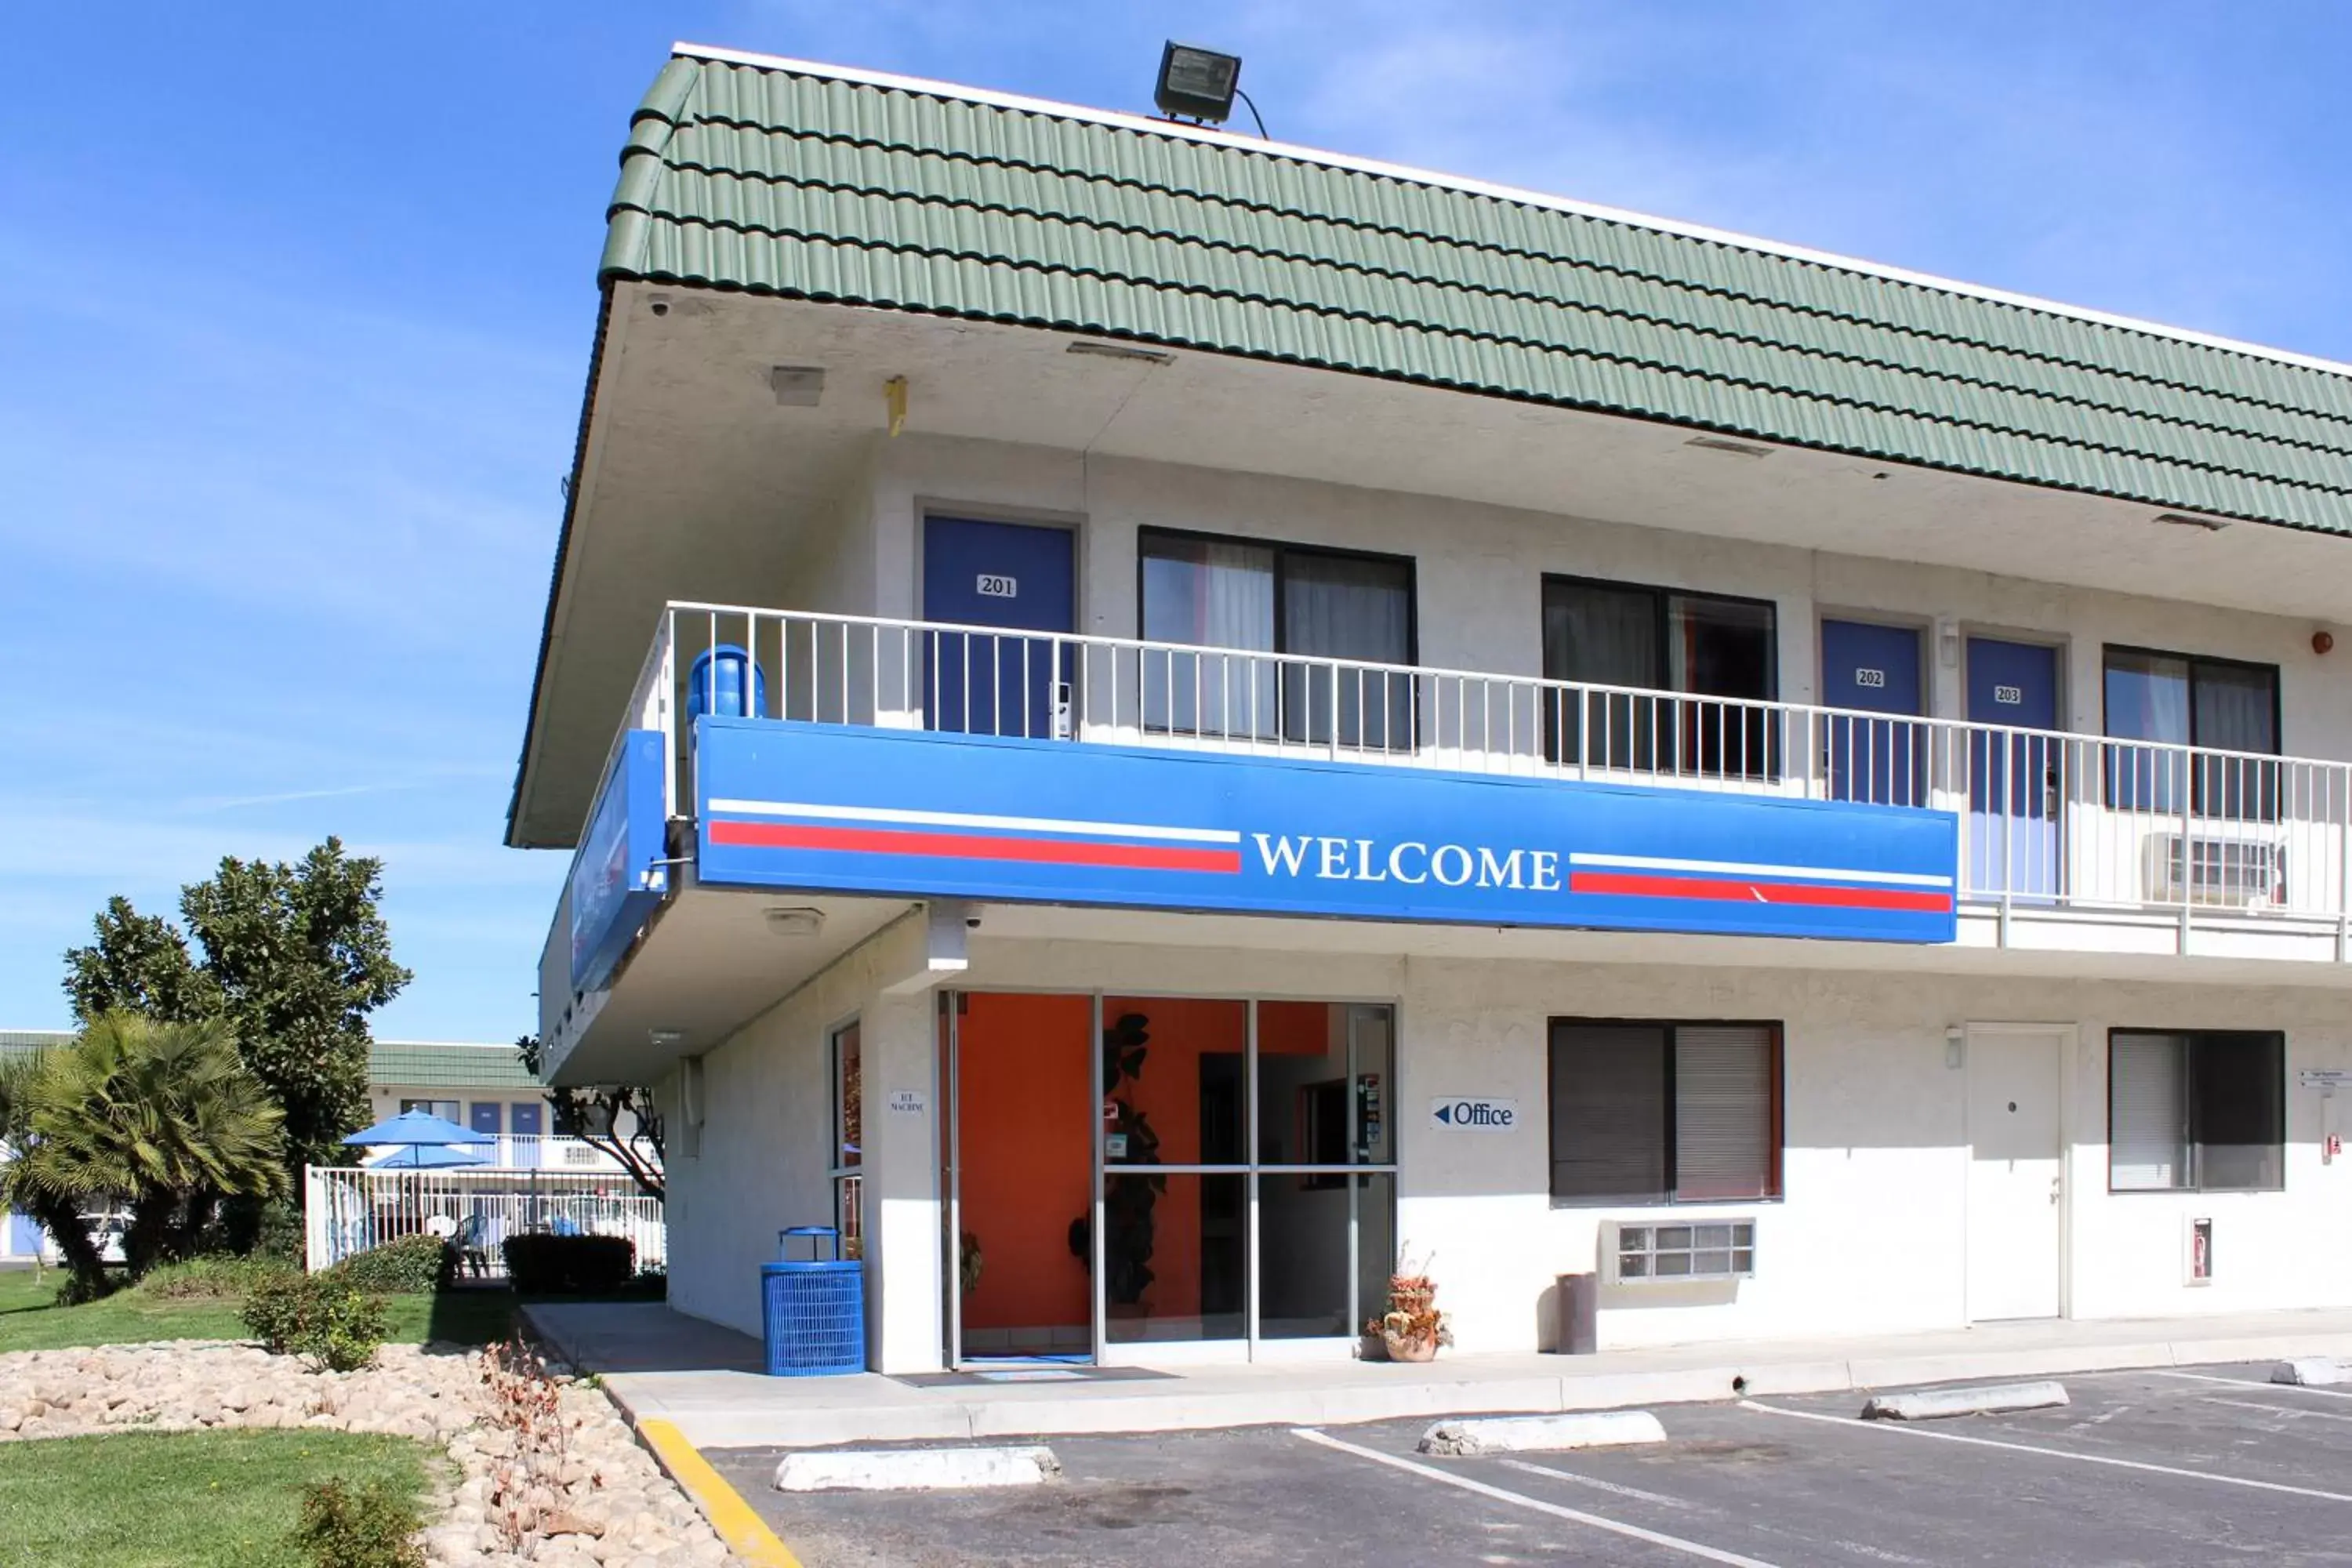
(2203, 1111)
(1240, 601)
(1655, 1112)
(2170, 700)
(1657, 639)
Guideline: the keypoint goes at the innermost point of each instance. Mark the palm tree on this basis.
(59, 1216)
(162, 1117)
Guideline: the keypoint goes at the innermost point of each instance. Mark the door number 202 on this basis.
(1875, 679)
(993, 586)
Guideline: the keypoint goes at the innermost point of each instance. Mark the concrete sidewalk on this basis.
(706, 1379)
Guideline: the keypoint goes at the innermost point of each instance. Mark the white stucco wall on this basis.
(1870, 1236)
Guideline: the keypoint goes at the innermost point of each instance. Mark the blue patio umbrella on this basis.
(412, 1129)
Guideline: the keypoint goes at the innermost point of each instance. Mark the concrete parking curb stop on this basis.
(915, 1469)
(1995, 1399)
(743, 1531)
(1542, 1434)
(2311, 1372)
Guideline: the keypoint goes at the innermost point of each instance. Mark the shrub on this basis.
(278, 1233)
(318, 1317)
(341, 1528)
(406, 1266)
(569, 1265)
(211, 1278)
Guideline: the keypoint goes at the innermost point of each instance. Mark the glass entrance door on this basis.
(1137, 1179)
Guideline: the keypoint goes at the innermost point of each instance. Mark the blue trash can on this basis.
(813, 1309)
(717, 683)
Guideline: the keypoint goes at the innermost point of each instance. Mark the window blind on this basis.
(1608, 1112)
(1723, 1112)
(2148, 1112)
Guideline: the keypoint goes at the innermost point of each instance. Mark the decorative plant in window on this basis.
(1412, 1328)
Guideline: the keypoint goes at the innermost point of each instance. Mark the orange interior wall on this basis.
(1028, 1156)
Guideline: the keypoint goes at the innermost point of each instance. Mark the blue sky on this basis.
(295, 305)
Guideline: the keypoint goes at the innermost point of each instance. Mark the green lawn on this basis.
(30, 1320)
(180, 1499)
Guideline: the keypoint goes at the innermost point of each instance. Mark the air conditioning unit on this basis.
(1649, 1254)
(581, 1154)
(2227, 873)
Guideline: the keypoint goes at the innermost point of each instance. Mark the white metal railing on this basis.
(348, 1211)
(2046, 818)
(532, 1151)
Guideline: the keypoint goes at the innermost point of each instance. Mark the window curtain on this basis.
(1601, 635)
(2233, 707)
(1212, 595)
(1347, 607)
(2148, 1112)
(2238, 1082)
(1608, 1112)
(1723, 1113)
(2148, 699)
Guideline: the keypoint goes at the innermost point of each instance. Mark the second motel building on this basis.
(1148, 721)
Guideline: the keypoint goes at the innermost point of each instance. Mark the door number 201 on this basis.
(993, 586)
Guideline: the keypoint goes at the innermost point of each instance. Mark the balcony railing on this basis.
(2047, 819)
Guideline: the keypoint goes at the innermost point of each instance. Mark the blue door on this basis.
(2016, 782)
(485, 1115)
(24, 1236)
(1877, 671)
(1009, 574)
(526, 1120)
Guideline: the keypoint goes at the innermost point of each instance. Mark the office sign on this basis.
(1475, 1114)
(916, 814)
(618, 878)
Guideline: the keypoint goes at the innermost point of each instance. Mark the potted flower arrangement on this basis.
(1412, 1328)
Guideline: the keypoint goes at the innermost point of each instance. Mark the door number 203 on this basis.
(2008, 696)
(993, 586)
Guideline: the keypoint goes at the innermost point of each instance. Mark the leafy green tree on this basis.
(291, 958)
(594, 1117)
(163, 1118)
(139, 964)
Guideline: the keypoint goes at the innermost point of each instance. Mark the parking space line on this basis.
(1616, 1488)
(2289, 1411)
(2050, 1453)
(1537, 1505)
(2254, 1382)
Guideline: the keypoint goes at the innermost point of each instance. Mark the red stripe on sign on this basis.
(972, 847)
(1635, 884)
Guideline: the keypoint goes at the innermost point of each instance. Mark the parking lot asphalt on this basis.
(2198, 1466)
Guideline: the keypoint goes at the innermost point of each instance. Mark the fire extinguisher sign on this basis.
(2200, 1252)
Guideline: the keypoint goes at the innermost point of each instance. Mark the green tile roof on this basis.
(420, 1064)
(782, 178)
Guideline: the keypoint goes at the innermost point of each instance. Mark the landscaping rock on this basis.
(610, 1506)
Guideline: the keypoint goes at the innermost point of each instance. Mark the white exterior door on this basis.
(2015, 1192)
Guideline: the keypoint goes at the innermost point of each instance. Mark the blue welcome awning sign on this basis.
(919, 814)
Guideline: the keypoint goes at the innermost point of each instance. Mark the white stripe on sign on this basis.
(2052, 1453)
(1534, 1505)
(972, 819)
(1745, 869)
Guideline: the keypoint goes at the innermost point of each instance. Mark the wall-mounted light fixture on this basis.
(1955, 1046)
(796, 922)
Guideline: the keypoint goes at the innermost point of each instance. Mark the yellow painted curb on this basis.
(744, 1531)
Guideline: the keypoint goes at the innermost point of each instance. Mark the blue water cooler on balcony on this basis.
(725, 683)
